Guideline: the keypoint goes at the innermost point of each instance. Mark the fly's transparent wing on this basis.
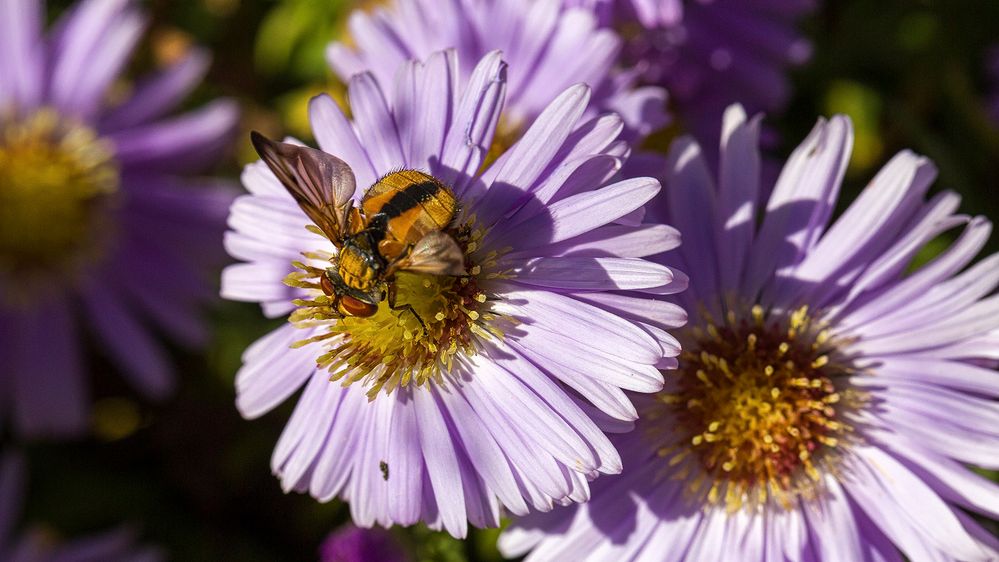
(322, 184)
(435, 254)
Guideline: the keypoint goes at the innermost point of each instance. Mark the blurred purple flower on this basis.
(650, 14)
(711, 53)
(477, 410)
(354, 544)
(828, 397)
(549, 48)
(992, 74)
(39, 545)
(98, 230)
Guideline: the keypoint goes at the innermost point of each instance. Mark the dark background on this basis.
(195, 478)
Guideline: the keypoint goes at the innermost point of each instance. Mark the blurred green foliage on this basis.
(293, 35)
(911, 74)
(195, 477)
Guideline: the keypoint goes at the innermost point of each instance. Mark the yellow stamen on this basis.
(436, 321)
(758, 403)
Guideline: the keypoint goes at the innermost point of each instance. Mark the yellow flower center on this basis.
(57, 179)
(758, 408)
(508, 132)
(397, 347)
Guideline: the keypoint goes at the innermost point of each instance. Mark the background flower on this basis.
(711, 53)
(354, 544)
(549, 48)
(100, 229)
(649, 13)
(828, 398)
(992, 71)
(557, 297)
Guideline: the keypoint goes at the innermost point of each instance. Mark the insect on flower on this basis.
(488, 407)
(398, 226)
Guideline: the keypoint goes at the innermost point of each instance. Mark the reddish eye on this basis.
(353, 307)
(326, 285)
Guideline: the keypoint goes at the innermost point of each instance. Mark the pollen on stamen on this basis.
(757, 408)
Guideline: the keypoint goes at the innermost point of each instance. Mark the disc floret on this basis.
(397, 347)
(758, 406)
(57, 179)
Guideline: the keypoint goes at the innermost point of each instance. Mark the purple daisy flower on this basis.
(650, 14)
(549, 47)
(828, 399)
(354, 544)
(711, 53)
(98, 230)
(40, 545)
(486, 390)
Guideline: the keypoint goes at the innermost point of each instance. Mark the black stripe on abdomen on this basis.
(402, 201)
(411, 196)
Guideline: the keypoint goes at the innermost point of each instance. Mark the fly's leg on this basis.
(392, 305)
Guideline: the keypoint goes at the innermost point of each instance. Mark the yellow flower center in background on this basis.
(56, 182)
(508, 132)
(393, 347)
(758, 408)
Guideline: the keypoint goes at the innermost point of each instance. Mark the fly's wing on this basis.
(435, 254)
(322, 184)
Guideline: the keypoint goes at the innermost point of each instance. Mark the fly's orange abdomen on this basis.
(407, 205)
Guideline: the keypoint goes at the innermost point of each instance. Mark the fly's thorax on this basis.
(58, 184)
(358, 266)
(333, 285)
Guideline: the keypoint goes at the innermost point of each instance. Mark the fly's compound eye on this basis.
(350, 306)
(326, 285)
